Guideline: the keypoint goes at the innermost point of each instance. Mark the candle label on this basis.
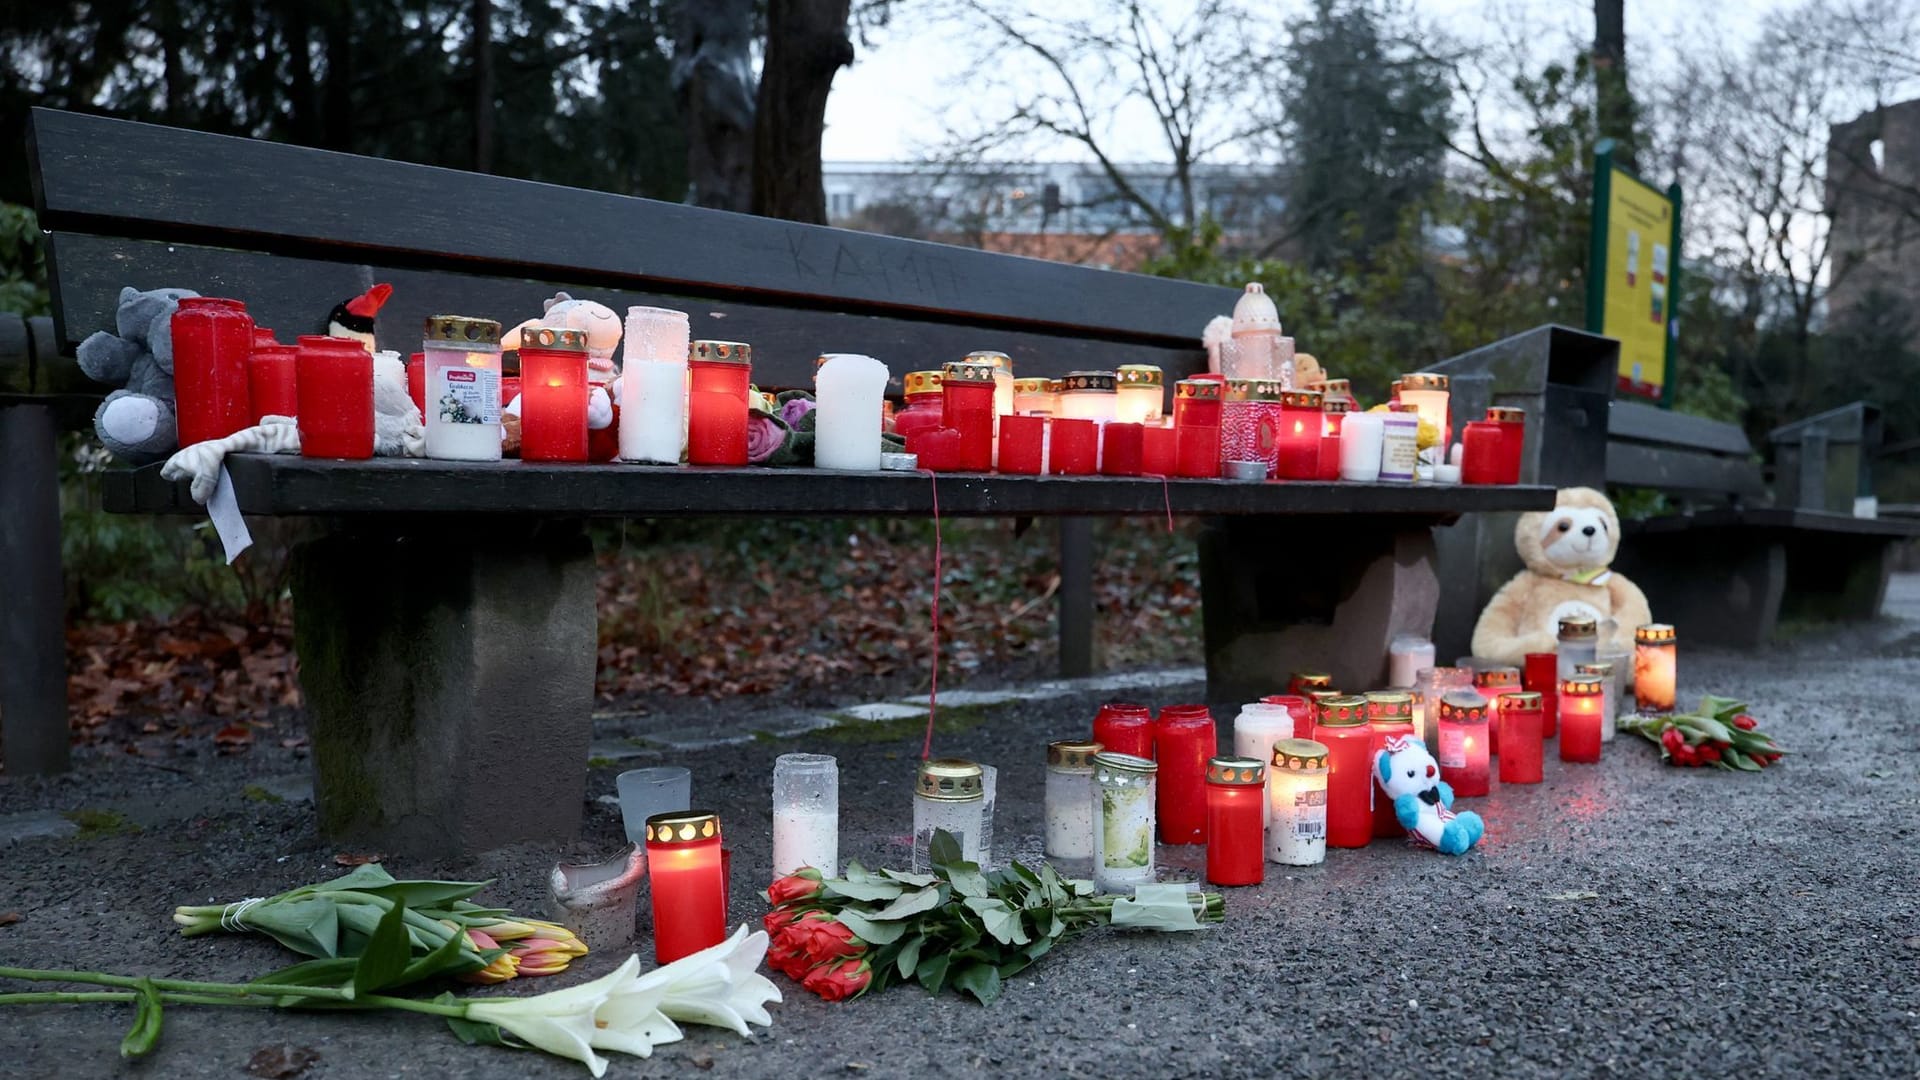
(466, 395)
(1400, 452)
(1128, 835)
(1310, 815)
(1453, 748)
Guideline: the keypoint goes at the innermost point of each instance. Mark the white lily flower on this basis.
(610, 1013)
(719, 986)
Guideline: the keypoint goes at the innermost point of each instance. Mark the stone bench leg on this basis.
(448, 669)
(1837, 575)
(1291, 594)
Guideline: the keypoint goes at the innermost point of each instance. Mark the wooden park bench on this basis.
(445, 623)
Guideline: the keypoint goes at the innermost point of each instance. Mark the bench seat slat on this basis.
(288, 485)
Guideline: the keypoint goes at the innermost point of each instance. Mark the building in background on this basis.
(1064, 211)
(1873, 201)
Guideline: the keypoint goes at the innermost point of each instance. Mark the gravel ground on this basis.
(1620, 920)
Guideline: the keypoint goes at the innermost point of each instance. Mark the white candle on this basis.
(1123, 821)
(653, 386)
(849, 389)
(1257, 727)
(1297, 801)
(948, 797)
(1407, 656)
(989, 780)
(806, 814)
(462, 388)
(1070, 800)
(1360, 437)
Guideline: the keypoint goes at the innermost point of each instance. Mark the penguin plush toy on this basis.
(354, 318)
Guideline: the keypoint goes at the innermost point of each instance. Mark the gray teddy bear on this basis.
(136, 422)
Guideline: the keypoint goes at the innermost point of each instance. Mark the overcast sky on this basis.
(900, 92)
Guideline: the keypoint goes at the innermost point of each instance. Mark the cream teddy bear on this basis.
(1567, 552)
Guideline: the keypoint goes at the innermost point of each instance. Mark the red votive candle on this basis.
(1582, 703)
(925, 411)
(1482, 445)
(212, 338)
(262, 335)
(719, 373)
(1121, 452)
(1304, 683)
(553, 394)
(1520, 746)
(1022, 440)
(272, 384)
(334, 397)
(688, 880)
(1183, 739)
(1302, 425)
(967, 390)
(1074, 450)
(1236, 833)
(1297, 707)
(1462, 731)
(1333, 417)
(1250, 423)
(1513, 440)
(1389, 713)
(938, 449)
(1493, 683)
(1541, 674)
(1196, 427)
(1124, 728)
(1342, 728)
(1159, 451)
(417, 382)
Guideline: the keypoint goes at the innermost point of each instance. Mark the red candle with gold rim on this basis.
(688, 881)
(273, 386)
(212, 338)
(1342, 728)
(1236, 834)
(966, 391)
(1513, 440)
(1304, 683)
(719, 372)
(1196, 427)
(334, 390)
(1333, 417)
(1462, 732)
(1124, 728)
(1493, 683)
(1389, 713)
(925, 410)
(1582, 707)
(1183, 740)
(1520, 745)
(553, 394)
(1302, 424)
(1541, 674)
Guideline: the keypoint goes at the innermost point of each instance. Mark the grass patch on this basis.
(598, 762)
(97, 823)
(948, 721)
(256, 793)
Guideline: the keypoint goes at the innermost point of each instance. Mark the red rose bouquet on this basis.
(1719, 733)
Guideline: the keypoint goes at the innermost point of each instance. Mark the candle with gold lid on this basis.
(1462, 727)
(924, 411)
(1301, 682)
(1297, 798)
(1581, 701)
(1069, 799)
(1003, 388)
(967, 397)
(1428, 392)
(1389, 715)
(463, 388)
(1521, 731)
(1236, 801)
(1655, 648)
(1196, 427)
(948, 794)
(1250, 422)
(1493, 683)
(1303, 422)
(1140, 394)
(718, 376)
(1033, 397)
(553, 394)
(688, 882)
(1342, 728)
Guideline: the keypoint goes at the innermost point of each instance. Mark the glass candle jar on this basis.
(688, 883)
(1389, 715)
(1521, 731)
(1089, 395)
(1582, 699)
(718, 376)
(1023, 444)
(849, 389)
(1575, 644)
(1003, 380)
(334, 392)
(1333, 419)
(1482, 444)
(806, 814)
(1140, 394)
(1361, 437)
(925, 407)
(1432, 684)
(212, 339)
(653, 386)
(1297, 440)
(1306, 682)
(1407, 656)
(1033, 397)
(1120, 452)
(1609, 694)
(1540, 672)
(1123, 809)
(1342, 728)
(1070, 799)
(1250, 423)
(1298, 707)
(1513, 441)
(968, 391)
(1183, 739)
(1073, 447)
(1399, 444)
(1428, 393)
(1491, 683)
(1124, 728)
(989, 792)
(1258, 726)
(1159, 450)
(1196, 427)
(273, 387)
(1236, 820)
(1297, 803)
(1462, 728)
(553, 394)
(463, 388)
(949, 795)
(1655, 658)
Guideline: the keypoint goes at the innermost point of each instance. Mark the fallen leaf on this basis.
(347, 859)
(233, 739)
(1879, 774)
(701, 1061)
(1574, 896)
(8, 918)
(281, 1062)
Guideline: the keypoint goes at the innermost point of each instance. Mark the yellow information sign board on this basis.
(1633, 272)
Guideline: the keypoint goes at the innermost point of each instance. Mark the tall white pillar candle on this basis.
(806, 814)
(849, 389)
(1257, 727)
(1360, 437)
(1407, 656)
(653, 386)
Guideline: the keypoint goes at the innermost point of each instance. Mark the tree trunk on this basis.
(337, 129)
(713, 80)
(297, 33)
(807, 44)
(483, 86)
(1610, 77)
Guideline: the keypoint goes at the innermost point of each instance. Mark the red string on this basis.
(1166, 494)
(933, 687)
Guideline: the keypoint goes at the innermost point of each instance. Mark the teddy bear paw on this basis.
(1461, 833)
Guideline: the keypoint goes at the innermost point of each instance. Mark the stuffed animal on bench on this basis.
(1567, 552)
(136, 421)
(1422, 802)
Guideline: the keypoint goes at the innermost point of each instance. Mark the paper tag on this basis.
(224, 510)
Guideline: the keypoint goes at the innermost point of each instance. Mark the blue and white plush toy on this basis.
(1421, 800)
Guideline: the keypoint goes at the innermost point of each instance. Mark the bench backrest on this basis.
(1689, 456)
(1825, 462)
(293, 231)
